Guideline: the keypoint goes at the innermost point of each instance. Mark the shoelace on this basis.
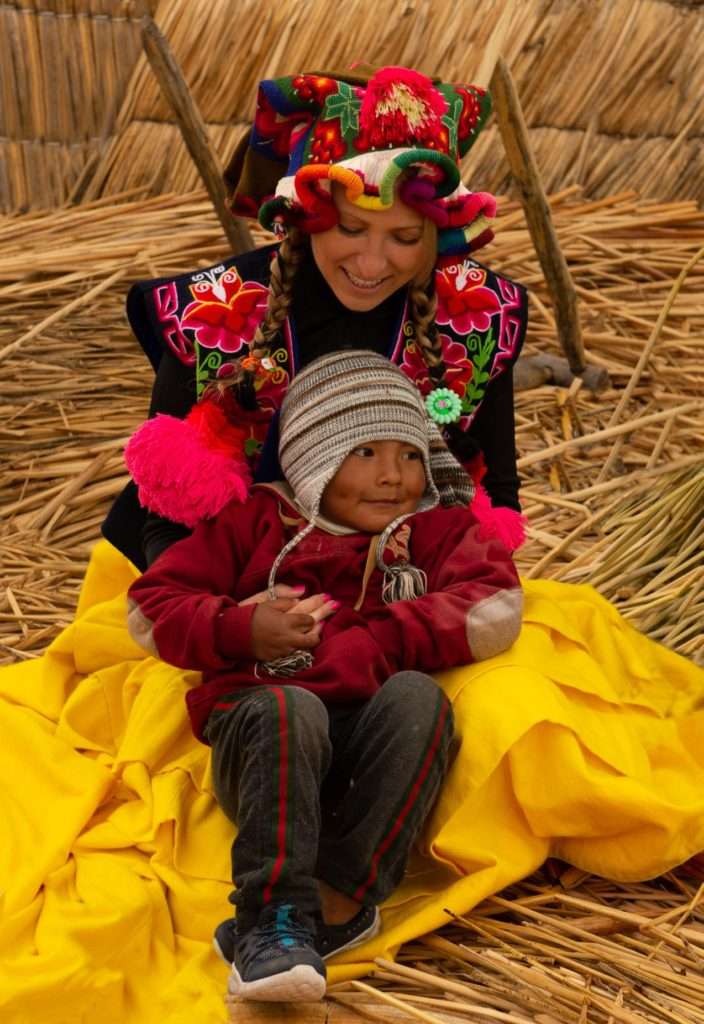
(281, 928)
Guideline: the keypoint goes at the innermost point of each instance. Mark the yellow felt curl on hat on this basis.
(353, 183)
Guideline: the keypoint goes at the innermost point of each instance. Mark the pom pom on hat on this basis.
(401, 107)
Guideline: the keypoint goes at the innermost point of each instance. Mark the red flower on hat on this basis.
(226, 311)
(471, 109)
(314, 87)
(276, 128)
(327, 144)
(463, 302)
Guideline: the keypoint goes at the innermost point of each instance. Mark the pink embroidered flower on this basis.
(225, 311)
(463, 302)
(456, 359)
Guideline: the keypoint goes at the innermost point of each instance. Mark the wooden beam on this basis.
(192, 126)
(514, 134)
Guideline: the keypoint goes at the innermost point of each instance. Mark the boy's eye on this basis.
(412, 456)
(363, 452)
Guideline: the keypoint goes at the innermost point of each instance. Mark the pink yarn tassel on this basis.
(178, 476)
(504, 524)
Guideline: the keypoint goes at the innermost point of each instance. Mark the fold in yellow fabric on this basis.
(584, 741)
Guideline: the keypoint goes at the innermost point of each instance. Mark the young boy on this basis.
(329, 740)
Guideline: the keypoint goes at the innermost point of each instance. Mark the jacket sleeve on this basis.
(181, 610)
(473, 605)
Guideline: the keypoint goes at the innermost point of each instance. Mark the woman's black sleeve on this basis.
(174, 393)
(494, 431)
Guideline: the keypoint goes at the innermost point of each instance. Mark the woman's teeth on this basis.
(361, 282)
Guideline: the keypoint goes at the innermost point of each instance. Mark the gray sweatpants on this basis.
(337, 793)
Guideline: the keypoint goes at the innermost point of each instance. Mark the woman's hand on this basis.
(286, 624)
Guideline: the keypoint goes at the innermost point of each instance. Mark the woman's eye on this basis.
(406, 240)
(349, 231)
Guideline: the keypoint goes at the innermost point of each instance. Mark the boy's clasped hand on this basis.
(288, 624)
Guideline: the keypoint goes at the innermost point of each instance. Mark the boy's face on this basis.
(377, 482)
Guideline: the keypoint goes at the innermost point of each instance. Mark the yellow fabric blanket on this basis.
(584, 741)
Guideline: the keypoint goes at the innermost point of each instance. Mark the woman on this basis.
(377, 233)
(583, 741)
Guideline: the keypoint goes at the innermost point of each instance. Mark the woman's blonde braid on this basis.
(423, 304)
(283, 271)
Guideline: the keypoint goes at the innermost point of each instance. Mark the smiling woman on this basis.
(367, 256)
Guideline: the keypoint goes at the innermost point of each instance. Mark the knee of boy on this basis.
(419, 701)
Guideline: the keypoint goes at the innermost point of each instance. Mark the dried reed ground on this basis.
(614, 491)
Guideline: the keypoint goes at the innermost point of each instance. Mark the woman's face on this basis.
(370, 254)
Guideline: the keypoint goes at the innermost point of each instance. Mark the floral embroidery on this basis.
(314, 87)
(463, 301)
(398, 545)
(327, 144)
(225, 312)
(166, 309)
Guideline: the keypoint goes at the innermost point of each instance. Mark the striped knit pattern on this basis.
(339, 402)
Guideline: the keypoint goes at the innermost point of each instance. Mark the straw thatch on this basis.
(613, 484)
(612, 91)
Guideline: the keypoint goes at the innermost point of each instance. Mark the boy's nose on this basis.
(389, 471)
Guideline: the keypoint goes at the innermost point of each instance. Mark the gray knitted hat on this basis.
(340, 401)
(335, 404)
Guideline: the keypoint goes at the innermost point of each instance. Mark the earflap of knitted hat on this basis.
(376, 132)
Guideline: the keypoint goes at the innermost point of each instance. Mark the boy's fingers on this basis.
(298, 623)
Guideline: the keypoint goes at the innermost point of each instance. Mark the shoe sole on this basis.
(369, 933)
(216, 947)
(302, 984)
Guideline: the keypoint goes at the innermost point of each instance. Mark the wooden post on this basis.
(514, 134)
(193, 130)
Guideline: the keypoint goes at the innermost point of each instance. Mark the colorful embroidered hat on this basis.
(374, 131)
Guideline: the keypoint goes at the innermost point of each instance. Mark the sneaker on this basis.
(276, 961)
(333, 938)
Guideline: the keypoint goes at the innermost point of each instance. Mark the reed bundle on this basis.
(611, 92)
(76, 385)
(541, 953)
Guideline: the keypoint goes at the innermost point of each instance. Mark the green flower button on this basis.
(443, 405)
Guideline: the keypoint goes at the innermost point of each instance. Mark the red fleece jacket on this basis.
(185, 607)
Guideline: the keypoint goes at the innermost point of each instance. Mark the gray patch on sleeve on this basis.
(494, 624)
(140, 628)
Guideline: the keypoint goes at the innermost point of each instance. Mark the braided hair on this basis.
(283, 271)
(422, 306)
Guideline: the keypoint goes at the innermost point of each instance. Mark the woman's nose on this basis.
(371, 260)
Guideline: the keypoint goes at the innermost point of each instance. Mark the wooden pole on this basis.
(193, 129)
(514, 134)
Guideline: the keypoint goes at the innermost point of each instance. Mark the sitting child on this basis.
(329, 741)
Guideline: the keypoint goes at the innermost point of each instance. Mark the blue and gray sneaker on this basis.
(275, 961)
